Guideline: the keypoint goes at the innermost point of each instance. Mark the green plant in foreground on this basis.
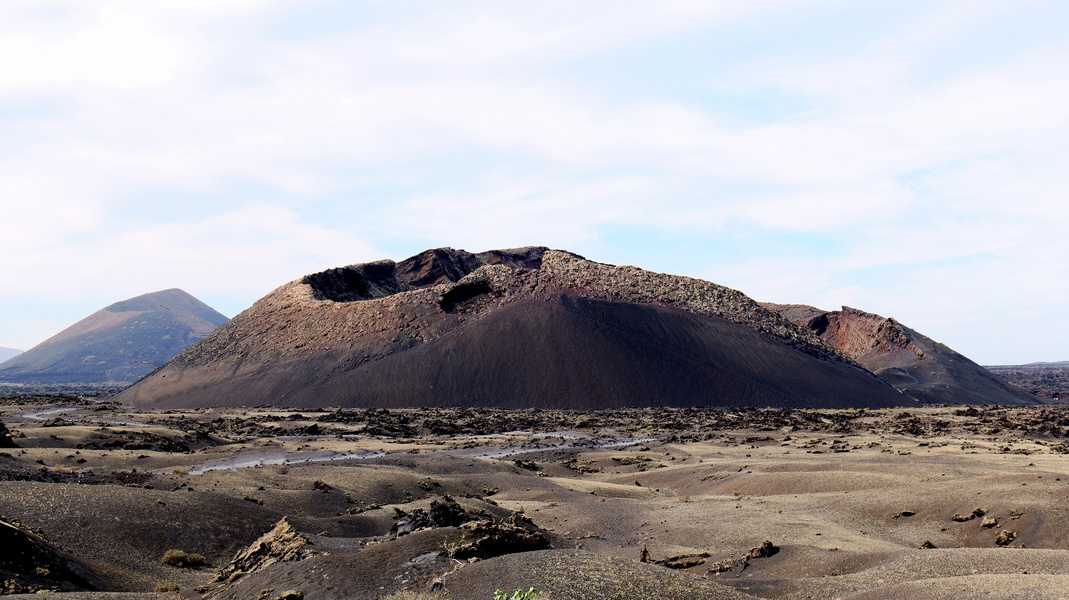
(530, 594)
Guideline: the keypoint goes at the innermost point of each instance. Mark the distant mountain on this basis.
(1043, 379)
(120, 343)
(6, 353)
(522, 328)
(919, 366)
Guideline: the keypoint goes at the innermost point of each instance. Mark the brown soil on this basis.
(747, 503)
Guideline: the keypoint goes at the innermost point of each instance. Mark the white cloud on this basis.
(938, 177)
(246, 253)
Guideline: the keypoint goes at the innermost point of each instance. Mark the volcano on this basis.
(520, 328)
(117, 344)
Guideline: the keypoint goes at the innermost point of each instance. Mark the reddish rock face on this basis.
(911, 362)
(520, 328)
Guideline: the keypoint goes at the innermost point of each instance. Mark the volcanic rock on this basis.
(522, 328)
(5, 437)
(281, 544)
(920, 367)
(1044, 379)
(487, 538)
(444, 512)
(118, 344)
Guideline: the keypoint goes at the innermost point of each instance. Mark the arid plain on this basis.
(953, 502)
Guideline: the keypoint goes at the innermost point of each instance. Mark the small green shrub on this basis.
(168, 587)
(178, 558)
(530, 594)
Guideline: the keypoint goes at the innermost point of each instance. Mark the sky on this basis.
(905, 158)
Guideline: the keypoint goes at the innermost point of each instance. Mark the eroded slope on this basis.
(513, 328)
(921, 367)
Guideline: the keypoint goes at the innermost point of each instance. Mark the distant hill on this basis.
(1043, 379)
(120, 343)
(921, 367)
(521, 328)
(7, 353)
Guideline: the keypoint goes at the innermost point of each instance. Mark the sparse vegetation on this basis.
(168, 587)
(415, 596)
(178, 558)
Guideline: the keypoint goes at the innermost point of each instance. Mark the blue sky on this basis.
(905, 158)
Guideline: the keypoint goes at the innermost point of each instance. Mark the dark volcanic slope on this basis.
(921, 367)
(530, 327)
(120, 343)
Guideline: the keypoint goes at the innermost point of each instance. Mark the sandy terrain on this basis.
(928, 503)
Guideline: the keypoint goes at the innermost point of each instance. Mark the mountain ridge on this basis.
(925, 369)
(119, 343)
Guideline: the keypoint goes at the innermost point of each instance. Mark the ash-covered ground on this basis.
(943, 502)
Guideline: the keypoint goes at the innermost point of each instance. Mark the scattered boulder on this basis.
(444, 512)
(975, 514)
(1005, 537)
(927, 545)
(766, 549)
(989, 522)
(487, 538)
(281, 544)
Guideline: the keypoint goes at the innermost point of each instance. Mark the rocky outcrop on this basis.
(383, 278)
(520, 328)
(913, 363)
(282, 544)
(487, 538)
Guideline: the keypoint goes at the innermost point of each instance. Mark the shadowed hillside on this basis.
(921, 367)
(120, 343)
(529, 327)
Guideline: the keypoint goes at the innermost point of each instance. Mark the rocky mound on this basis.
(120, 343)
(919, 366)
(530, 327)
(281, 544)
